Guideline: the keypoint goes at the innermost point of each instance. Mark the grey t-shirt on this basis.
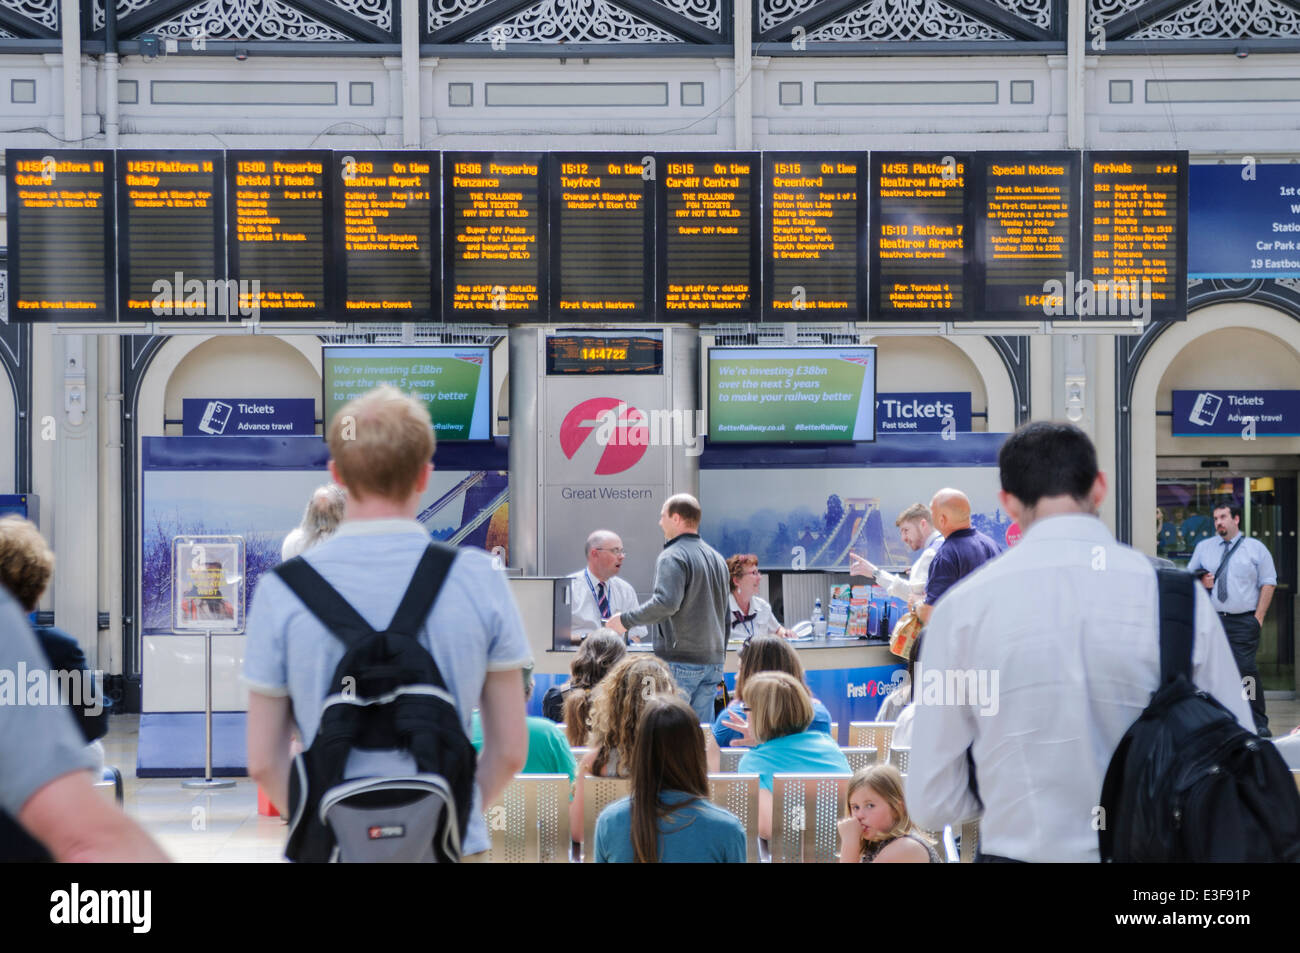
(39, 742)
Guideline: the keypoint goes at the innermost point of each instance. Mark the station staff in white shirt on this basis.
(1239, 574)
(596, 592)
(749, 613)
(1058, 639)
(917, 533)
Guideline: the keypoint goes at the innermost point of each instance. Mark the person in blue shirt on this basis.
(668, 818)
(764, 653)
(780, 712)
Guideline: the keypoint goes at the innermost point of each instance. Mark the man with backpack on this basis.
(1063, 629)
(365, 596)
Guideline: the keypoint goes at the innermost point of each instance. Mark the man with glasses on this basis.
(597, 592)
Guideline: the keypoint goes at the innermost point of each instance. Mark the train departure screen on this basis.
(580, 351)
(60, 235)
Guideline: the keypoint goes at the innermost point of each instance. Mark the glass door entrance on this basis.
(1184, 504)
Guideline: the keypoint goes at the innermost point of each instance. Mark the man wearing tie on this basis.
(596, 592)
(1240, 576)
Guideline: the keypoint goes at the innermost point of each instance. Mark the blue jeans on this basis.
(699, 683)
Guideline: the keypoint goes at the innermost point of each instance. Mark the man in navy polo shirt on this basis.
(963, 551)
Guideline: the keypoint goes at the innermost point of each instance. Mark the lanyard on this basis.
(586, 574)
(746, 619)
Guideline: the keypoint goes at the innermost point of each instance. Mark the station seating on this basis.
(871, 734)
(806, 810)
(529, 824)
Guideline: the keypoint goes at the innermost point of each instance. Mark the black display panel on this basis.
(706, 236)
(1026, 209)
(602, 223)
(60, 222)
(386, 232)
(494, 236)
(920, 237)
(278, 232)
(1134, 238)
(171, 237)
(579, 351)
(814, 216)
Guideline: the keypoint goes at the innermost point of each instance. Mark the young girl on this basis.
(570, 703)
(880, 830)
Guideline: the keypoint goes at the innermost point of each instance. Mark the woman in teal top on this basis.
(668, 818)
(780, 711)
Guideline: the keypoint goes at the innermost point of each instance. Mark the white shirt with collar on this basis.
(585, 611)
(764, 622)
(1250, 567)
(1061, 634)
(913, 584)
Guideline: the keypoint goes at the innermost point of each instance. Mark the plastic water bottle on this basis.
(818, 620)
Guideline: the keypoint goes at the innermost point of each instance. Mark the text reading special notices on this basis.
(278, 212)
(812, 220)
(919, 236)
(709, 245)
(60, 235)
(495, 232)
(390, 240)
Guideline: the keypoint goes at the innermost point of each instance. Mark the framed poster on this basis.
(208, 584)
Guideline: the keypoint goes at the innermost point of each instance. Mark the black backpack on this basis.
(1188, 783)
(386, 694)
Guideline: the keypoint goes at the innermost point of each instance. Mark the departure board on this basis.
(171, 240)
(1134, 237)
(814, 212)
(920, 237)
(706, 236)
(602, 217)
(388, 247)
(580, 351)
(60, 235)
(1027, 231)
(494, 236)
(278, 232)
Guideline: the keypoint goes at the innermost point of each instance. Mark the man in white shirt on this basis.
(1032, 674)
(917, 533)
(597, 592)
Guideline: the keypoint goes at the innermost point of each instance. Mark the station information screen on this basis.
(602, 219)
(278, 231)
(920, 243)
(388, 248)
(494, 236)
(579, 351)
(1027, 230)
(706, 237)
(171, 236)
(1134, 237)
(814, 211)
(60, 235)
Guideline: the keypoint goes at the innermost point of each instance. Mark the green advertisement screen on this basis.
(453, 382)
(792, 395)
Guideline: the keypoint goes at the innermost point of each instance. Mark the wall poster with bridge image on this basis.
(258, 487)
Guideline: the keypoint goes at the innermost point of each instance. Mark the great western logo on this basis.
(625, 431)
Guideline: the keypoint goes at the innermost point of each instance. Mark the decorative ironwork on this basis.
(1101, 12)
(1291, 283)
(6, 35)
(574, 21)
(772, 13)
(905, 20)
(247, 20)
(124, 9)
(707, 13)
(43, 12)
(443, 13)
(1037, 12)
(1224, 20)
(378, 12)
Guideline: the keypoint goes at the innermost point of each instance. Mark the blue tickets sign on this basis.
(1244, 221)
(248, 417)
(922, 412)
(1231, 413)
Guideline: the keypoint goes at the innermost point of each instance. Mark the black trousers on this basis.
(1243, 636)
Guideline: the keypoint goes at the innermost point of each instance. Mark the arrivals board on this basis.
(602, 252)
(706, 236)
(60, 224)
(386, 207)
(814, 213)
(278, 232)
(1134, 237)
(171, 236)
(494, 236)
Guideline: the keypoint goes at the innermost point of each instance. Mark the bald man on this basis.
(597, 592)
(963, 551)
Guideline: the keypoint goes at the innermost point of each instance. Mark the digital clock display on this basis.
(605, 352)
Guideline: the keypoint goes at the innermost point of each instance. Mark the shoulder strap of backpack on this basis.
(1177, 608)
(423, 591)
(332, 610)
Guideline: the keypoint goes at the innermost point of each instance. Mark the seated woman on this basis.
(668, 819)
(880, 830)
(598, 654)
(764, 653)
(780, 711)
(750, 613)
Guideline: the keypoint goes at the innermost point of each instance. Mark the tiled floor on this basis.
(224, 826)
